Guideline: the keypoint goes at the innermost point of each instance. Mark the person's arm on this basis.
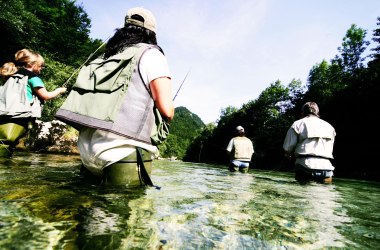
(46, 95)
(162, 95)
(38, 87)
(230, 147)
(252, 149)
(290, 142)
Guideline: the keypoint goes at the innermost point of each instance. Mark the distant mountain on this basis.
(185, 122)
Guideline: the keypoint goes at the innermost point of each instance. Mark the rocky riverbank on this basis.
(50, 137)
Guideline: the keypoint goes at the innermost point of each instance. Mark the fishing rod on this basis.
(88, 58)
(183, 81)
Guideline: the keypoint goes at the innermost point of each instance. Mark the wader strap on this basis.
(141, 167)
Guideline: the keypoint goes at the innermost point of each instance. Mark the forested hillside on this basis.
(183, 129)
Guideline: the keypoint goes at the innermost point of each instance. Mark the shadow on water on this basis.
(46, 204)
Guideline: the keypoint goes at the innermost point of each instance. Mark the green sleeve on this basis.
(34, 82)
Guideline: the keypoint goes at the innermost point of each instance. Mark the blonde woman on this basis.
(23, 94)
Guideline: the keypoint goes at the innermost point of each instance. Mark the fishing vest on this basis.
(243, 148)
(111, 95)
(315, 137)
(313, 127)
(13, 99)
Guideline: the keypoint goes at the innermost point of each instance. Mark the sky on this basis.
(233, 50)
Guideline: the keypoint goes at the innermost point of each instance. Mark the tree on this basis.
(324, 81)
(68, 26)
(58, 28)
(19, 28)
(228, 111)
(376, 39)
(352, 48)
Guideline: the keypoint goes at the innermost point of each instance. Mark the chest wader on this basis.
(304, 175)
(133, 170)
(10, 133)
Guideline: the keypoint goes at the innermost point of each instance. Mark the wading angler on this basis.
(117, 101)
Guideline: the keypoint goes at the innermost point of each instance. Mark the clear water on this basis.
(44, 204)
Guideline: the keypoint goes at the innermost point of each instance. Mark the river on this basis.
(46, 204)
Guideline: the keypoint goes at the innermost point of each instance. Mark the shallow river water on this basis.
(45, 204)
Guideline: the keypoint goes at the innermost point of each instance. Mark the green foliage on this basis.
(324, 81)
(54, 75)
(352, 48)
(184, 120)
(58, 28)
(353, 114)
(19, 28)
(327, 80)
(67, 26)
(201, 145)
(228, 111)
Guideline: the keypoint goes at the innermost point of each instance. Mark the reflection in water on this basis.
(324, 202)
(44, 204)
(99, 221)
(205, 211)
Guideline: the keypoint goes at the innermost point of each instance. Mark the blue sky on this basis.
(236, 49)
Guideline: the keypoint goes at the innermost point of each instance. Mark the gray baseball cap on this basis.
(148, 22)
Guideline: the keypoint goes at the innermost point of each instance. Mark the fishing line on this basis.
(88, 58)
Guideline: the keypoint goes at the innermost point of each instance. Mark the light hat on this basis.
(148, 22)
(240, 129)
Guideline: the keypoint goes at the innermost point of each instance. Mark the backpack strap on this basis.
(138, 65)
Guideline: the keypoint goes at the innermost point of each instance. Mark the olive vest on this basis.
(111, 95)
(243, 148)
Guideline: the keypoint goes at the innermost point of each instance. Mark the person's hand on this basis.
(62, 90)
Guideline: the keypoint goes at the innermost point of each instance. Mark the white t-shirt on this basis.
(98, 148)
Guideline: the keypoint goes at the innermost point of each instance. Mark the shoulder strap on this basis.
(138, 66)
